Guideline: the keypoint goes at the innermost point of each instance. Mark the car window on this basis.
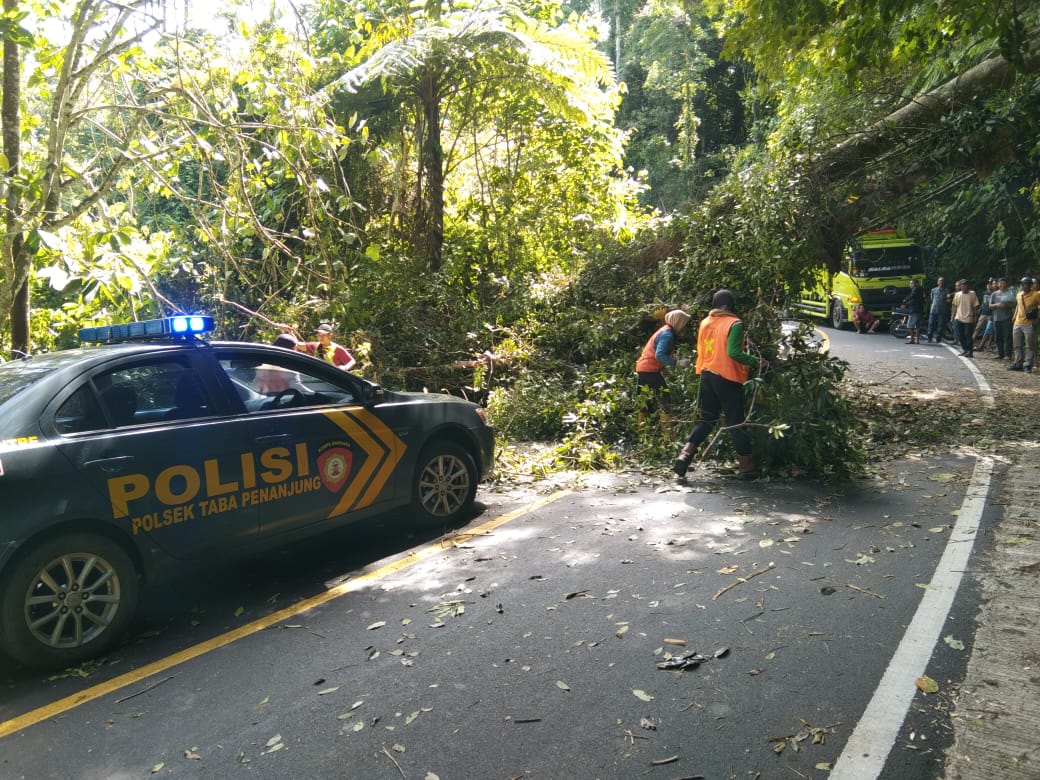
(273, 383)
(136, 394)
(17, 375)
(80, 413)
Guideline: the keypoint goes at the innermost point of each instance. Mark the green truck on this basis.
(875, 271)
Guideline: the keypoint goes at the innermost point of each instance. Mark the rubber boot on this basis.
(745, 467)
(681, 464)
(667, 423)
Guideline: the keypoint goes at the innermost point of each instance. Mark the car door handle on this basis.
(277, 437)
(110, 465)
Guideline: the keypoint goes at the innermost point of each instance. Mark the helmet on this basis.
(1027, 280)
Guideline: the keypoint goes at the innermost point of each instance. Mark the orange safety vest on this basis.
(648, 360)
(712, 354)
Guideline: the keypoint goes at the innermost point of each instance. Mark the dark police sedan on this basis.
(156, 447)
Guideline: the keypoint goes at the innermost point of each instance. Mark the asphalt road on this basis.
(528, 643)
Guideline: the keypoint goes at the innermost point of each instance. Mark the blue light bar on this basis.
(178, 326)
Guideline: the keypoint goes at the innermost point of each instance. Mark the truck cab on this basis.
(875, 270)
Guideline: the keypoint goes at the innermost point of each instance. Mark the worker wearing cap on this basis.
(328, 350)
(1027, 302)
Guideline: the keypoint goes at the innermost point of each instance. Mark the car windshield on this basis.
(17, 375)
(887, 261)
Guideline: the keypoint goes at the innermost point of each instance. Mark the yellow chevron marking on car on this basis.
(383, 448)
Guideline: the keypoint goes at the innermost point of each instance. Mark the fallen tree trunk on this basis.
(920, 115)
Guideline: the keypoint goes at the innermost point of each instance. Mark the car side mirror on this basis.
(371, 394)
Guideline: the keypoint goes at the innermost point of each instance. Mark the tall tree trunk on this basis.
(14, 298)
(433, 167)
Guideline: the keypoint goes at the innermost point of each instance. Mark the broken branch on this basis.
(743, 579)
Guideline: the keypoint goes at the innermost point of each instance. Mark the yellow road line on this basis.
(54, 709)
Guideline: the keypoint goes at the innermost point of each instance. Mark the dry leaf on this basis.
(158, 767)
(642, 695)
(672, 641)
(562, 685)
(328, 690)
(728, 569)
(956, 644)
(377, 624)
(927, 684)
(190, 753)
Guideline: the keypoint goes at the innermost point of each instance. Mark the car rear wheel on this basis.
(67, 600)
(445, 483)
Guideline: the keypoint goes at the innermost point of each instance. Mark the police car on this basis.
(155, 447)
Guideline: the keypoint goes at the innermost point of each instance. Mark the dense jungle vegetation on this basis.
(537, 180)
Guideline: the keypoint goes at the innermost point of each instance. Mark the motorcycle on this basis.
(897, 325)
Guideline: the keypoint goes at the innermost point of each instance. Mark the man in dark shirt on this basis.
(915, 303)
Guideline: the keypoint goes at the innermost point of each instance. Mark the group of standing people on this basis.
(1001, 317)
(723, 365)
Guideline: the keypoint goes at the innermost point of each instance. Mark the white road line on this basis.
(868, 748)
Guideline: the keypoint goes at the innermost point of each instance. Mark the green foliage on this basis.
(803, 423)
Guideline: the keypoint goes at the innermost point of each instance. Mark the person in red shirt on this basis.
(723, 366)
(864, 321)
(328, 350)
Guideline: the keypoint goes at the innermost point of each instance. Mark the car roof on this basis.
(52, 370)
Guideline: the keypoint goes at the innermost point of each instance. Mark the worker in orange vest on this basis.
(657, 357)
(723, 366)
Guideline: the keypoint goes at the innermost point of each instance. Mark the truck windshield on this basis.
(887, 261)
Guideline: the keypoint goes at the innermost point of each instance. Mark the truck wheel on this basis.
(837, 314)
(445, 483)
(66, 601)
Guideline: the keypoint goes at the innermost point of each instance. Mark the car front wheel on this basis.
(67, 600)
(445, 483)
